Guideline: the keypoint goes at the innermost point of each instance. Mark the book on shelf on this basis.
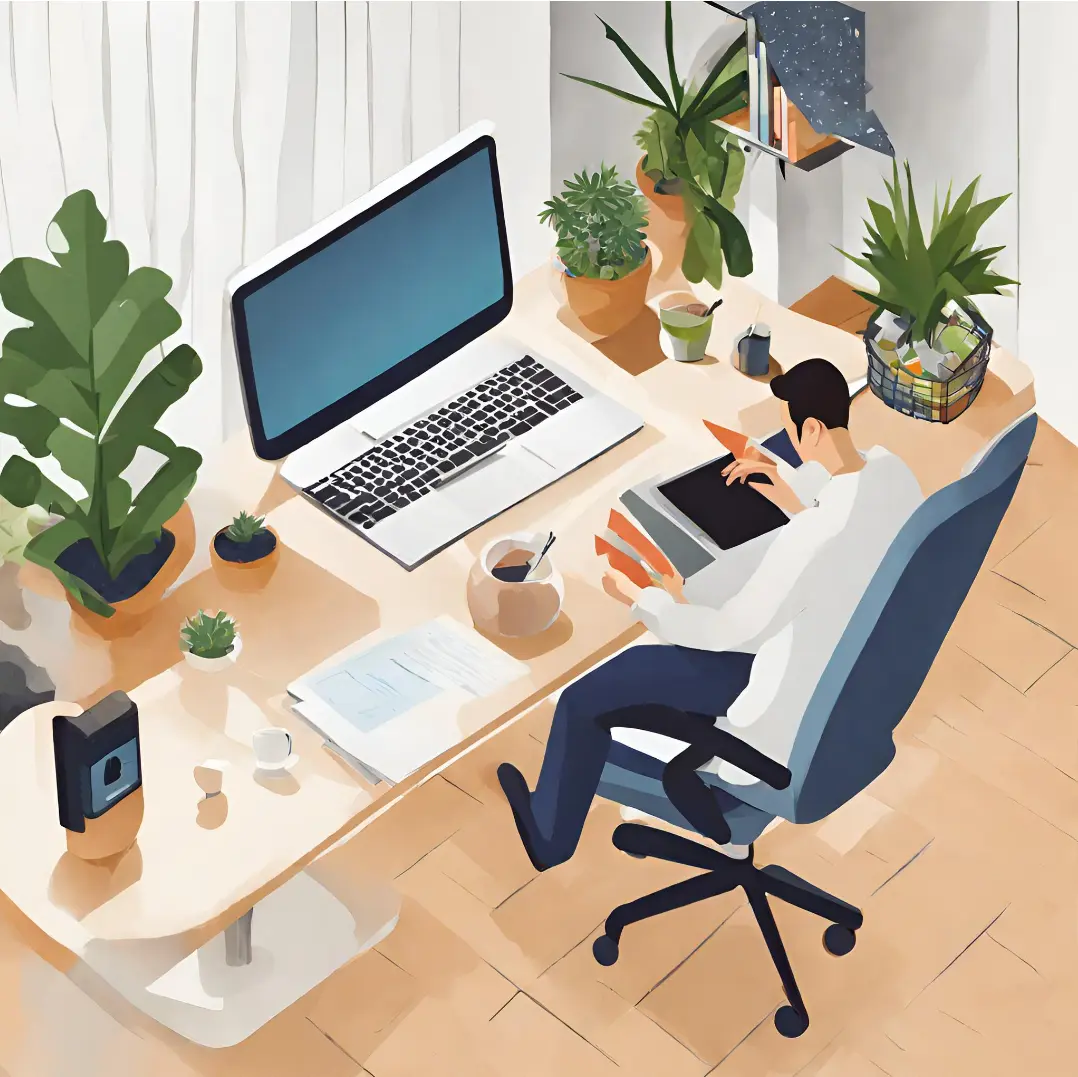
(763, 95)
(753, 125)
(784, 121)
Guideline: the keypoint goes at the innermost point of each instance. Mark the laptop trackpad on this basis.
(506, 478)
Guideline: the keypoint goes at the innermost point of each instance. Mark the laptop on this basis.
(369, 359)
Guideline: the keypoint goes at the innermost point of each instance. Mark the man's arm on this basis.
(776, 590)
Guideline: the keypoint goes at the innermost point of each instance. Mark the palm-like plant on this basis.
(918, 278)
(599, 221)
(682, 143)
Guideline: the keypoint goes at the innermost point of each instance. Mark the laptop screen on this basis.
(369, 307)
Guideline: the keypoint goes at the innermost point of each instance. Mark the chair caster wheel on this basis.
(839, 940)
(605, 950)
(790, 1023)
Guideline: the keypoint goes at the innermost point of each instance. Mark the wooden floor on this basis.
(963, 856)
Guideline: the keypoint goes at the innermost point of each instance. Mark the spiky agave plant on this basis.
(209, 635)
(919, 277)
(246, 527)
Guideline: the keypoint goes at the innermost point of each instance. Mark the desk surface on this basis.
(331, 588)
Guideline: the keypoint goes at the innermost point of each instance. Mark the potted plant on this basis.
(599, 220)
(245, 554)
(927, 343)
(688, 157)
(210, 641)
(92, 322)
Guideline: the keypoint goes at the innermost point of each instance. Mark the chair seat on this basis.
(627, 782)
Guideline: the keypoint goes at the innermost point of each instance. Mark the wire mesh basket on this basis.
(941, 399)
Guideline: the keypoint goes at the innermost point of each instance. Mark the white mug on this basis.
(273, 746)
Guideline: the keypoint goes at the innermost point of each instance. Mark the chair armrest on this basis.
(701, 734)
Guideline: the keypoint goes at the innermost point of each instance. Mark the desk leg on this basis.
(238, 940)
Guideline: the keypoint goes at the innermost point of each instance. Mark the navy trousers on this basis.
(703, 682)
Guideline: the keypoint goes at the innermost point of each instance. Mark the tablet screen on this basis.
(728, 515)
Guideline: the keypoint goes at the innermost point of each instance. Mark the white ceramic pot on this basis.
(215, 665)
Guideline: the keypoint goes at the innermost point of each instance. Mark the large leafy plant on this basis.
(686, 152)
(70, 372)
(919, 277)
(599, 220)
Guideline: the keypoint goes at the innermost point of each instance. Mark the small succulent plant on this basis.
(246, 527)
(209, 635)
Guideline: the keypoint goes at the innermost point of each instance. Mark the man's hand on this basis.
(626, 592)
(778, 491)
(620, 589)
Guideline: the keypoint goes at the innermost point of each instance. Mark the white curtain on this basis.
(210, 132)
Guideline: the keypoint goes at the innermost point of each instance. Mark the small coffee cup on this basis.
(272, 747)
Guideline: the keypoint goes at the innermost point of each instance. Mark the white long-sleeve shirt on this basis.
(792, 610)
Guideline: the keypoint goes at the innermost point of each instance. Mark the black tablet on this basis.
(728, 515)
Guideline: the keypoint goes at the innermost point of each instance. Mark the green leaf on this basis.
(734, 52)
(623, 94)
(158, 501)
(675, 82)
(647, 76)
(163, 386)
(23, 484)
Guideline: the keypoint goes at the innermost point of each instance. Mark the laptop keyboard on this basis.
(403, 467)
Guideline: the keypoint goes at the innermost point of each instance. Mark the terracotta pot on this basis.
(245, 575)
(605, 306)
(132, 613)
(671, 206)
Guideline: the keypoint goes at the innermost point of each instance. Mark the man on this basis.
(753, 660)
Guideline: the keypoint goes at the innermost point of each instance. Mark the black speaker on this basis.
(98, 759)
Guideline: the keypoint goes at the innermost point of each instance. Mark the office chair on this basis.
(845, 738)
(22, 684)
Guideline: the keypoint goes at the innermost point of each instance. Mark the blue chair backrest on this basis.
(846, 736)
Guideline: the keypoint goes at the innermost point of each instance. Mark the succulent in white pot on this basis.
(210, 641)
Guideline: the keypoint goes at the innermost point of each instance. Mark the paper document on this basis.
(393, 706)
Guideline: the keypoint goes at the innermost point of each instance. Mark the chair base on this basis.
(721, 875)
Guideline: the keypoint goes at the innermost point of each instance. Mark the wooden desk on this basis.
(332, 588)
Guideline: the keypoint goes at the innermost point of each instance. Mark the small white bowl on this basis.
(215, 665)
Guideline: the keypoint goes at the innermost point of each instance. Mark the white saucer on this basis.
(278, 768)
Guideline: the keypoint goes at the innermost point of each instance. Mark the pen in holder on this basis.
(513, 588)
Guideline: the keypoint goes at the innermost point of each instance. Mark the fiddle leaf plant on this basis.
(599, 220)
(66, 392)
(686, 153)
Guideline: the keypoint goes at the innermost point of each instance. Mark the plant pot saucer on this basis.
(215, 665)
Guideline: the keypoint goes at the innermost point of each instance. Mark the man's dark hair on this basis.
(814, 389)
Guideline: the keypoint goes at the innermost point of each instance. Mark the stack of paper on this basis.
(391, 707)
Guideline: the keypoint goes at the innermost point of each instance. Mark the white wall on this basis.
(945, 85)
(1047, 207)
(589, 127)
(211, 132)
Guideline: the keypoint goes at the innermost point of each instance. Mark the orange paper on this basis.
(647, 549)
(623, 563)
(729, 439)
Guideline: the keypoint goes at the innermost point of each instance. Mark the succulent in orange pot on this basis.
(600, 220)
(245, 554)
